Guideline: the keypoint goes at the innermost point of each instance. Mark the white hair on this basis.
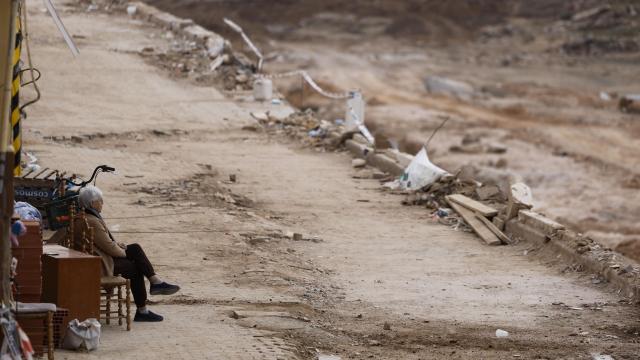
(89, 194)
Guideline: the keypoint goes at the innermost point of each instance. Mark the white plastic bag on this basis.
(420, 172)
(82, 335)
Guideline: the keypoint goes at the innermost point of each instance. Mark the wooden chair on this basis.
(111, 286)
(39, 311)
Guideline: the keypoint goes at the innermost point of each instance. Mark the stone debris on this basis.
(358, 163)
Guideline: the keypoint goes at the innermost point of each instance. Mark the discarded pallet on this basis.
(477, 225)
(473, 205)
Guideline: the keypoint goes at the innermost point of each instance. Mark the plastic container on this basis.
(263, 89)
(354, 115)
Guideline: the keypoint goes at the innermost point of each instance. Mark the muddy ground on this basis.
(539, 72)
(370, 278)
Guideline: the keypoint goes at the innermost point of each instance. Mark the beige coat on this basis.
(103, 243)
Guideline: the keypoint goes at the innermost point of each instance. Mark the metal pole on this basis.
(8, 17)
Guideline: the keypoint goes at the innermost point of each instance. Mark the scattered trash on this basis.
(82, 335)
(443, 213)
(501, 333)
(317, 132)
(276, 102)
(262, 89)
(132, 10)
(604, 96)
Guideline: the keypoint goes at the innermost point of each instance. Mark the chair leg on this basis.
(108, 307)
(128, 304)
(120, 314)
(50, 334)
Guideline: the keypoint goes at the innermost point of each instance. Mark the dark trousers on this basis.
(135, 267)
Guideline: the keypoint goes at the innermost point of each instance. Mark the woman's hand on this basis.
(123, 246)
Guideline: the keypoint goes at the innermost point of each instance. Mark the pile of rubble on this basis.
(602, 29)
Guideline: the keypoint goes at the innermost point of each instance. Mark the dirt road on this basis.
(370, 279)
(539, 88)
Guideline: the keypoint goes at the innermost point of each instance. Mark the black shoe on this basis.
(148, 317)
(163, 289)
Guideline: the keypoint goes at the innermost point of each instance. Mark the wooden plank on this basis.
(473, 205)
(478, 226)
(494, 229)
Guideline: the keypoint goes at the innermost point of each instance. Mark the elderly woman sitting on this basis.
(128, 261)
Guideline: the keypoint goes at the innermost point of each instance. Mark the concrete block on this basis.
(385, 164)
(198, 34)
(360, 139)
(539, 222)
(358, 150)
(403, 159)
(517, 230)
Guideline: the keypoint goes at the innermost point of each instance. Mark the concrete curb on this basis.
(184, 27)
(534, 228)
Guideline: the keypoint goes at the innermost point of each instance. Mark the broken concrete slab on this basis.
(198, 34)
(519, 198)
(538, 221)
(488, 192)
(149, 13)
(402, 158)
(214, 45)
(357, 149)
(385, 164)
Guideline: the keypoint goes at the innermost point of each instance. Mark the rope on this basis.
(307, 78)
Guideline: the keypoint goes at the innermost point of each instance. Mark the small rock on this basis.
(496, 149)
(386, 326)
(232, 178)
(501, 333)
(374, 343)
(242, 78)
(501, 163)
(358, 163)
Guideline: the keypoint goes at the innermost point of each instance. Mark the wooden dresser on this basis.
(71, 280)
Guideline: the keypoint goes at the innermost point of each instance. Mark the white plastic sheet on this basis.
(420, 172)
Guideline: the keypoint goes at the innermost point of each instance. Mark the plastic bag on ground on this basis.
(420, 172)
(82, 335)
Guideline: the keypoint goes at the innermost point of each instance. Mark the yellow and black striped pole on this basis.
(15, 100)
